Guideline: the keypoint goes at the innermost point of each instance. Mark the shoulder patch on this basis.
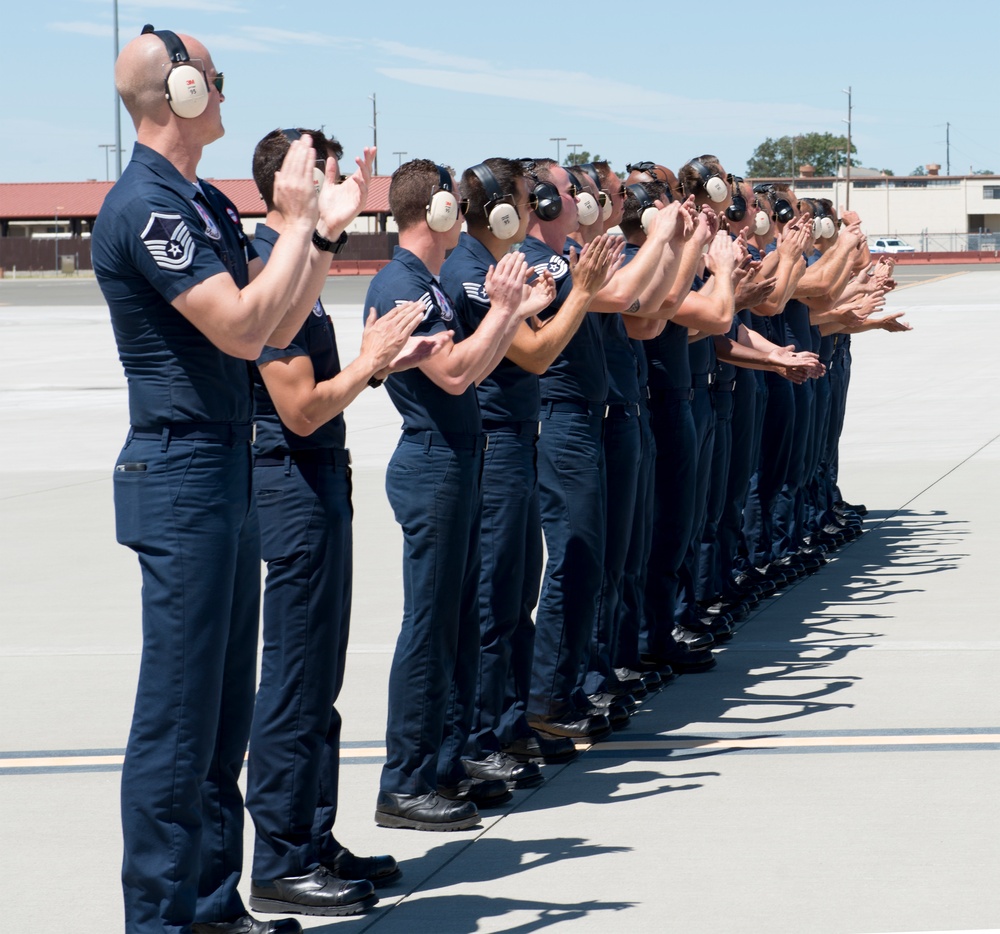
(210, 226)
(424, 300)
(169, 241)
(447, 312)
(556, 266)
(477, 292)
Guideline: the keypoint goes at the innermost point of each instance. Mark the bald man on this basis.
(190, 305)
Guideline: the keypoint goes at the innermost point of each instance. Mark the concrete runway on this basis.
(837, 773)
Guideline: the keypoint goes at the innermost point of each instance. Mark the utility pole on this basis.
(400, 153)
(118, 105)
(574, 147)
(374, 131)
(107, 147)
(557, 140)
(947, 148)
(847, 198)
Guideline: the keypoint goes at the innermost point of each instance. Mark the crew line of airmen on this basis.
(663, 407)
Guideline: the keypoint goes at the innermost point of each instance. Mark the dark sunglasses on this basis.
(218, 81)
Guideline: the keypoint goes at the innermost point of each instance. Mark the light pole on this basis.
(374, 132)
(574, 147)
(847, 197)
(557, 140)
(55, 240)
(107, 147)
(118, 106)
(400, 153)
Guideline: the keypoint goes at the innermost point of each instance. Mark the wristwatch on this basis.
(375, 382)
(329, 246)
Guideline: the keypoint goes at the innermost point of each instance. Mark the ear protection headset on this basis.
(782, 209)
(319, 177)
(738, 209)
(823, 225)
(715, 186)
(646, 203)
(587, 208)
(761, 220)
(502, 218)
(443, 207)
(548, 201)
(603, 199)
(185, 86)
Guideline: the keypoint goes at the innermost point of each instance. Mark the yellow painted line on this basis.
(944, 275)
(665, 745)
(786, 742)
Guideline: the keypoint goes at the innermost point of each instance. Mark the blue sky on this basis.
(458, 86)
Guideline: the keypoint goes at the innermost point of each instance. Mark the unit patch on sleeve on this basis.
(169, 241)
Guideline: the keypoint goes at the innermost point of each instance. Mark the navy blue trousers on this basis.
(703, 412)
(305, 523)
(675, 479)
(571, 496)
(508, 589)
(622, 444)
(434, 491)
(190, 517)
(632, 608)
(775, 453)
(709, 583)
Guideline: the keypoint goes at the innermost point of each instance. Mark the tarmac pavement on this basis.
(837, 773)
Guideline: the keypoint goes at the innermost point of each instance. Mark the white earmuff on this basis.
(816, 228)
(587, 209)
(187, 91)
(761, 223)
(647, 219)
(319, 178)
(503, 221)
(827, 228)
(442, 211)
(717, 189)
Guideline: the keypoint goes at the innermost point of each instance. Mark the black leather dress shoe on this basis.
(587, 726)
(616, 709)
(318, 892)
(424, 812)
(693, 640)
(505, 768)
(483, 792)
(247, 924)
(379, 870)
(537, 748)
(626, 681)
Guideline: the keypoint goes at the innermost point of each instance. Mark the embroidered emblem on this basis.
(424, 300)
(477, 292)
(169, 241)
(318, 309)
(447, 312)
(556, 266)
(234, 217)
(210, 227)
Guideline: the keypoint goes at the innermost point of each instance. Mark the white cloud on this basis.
(101, 30)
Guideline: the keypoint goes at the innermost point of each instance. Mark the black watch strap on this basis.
(375, 382)
(329, 246)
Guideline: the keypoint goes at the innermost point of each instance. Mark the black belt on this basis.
(702, 380)
(576, 408)
(511, 428)
(621, 409)
(724, 385)
(225, 432)
(338, 457)
(460, 442)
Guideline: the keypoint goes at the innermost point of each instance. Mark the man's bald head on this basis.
(141, 71)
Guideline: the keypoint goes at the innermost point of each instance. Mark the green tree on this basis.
(919, 170)
(984, 172)
(781, 158)
(582, 158)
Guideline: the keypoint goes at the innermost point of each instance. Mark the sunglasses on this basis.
(218, 81)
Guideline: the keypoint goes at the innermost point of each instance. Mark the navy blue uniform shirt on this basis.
(579, 373)
(508, 394)
(701, 352)
(156, 236)
(623, 370)
(315, 340)
(422, 403)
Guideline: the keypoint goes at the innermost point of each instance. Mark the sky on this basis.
(458, 86)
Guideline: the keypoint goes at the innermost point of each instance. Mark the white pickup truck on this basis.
(889, 245)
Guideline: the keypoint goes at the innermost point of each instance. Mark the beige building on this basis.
(931, 212)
